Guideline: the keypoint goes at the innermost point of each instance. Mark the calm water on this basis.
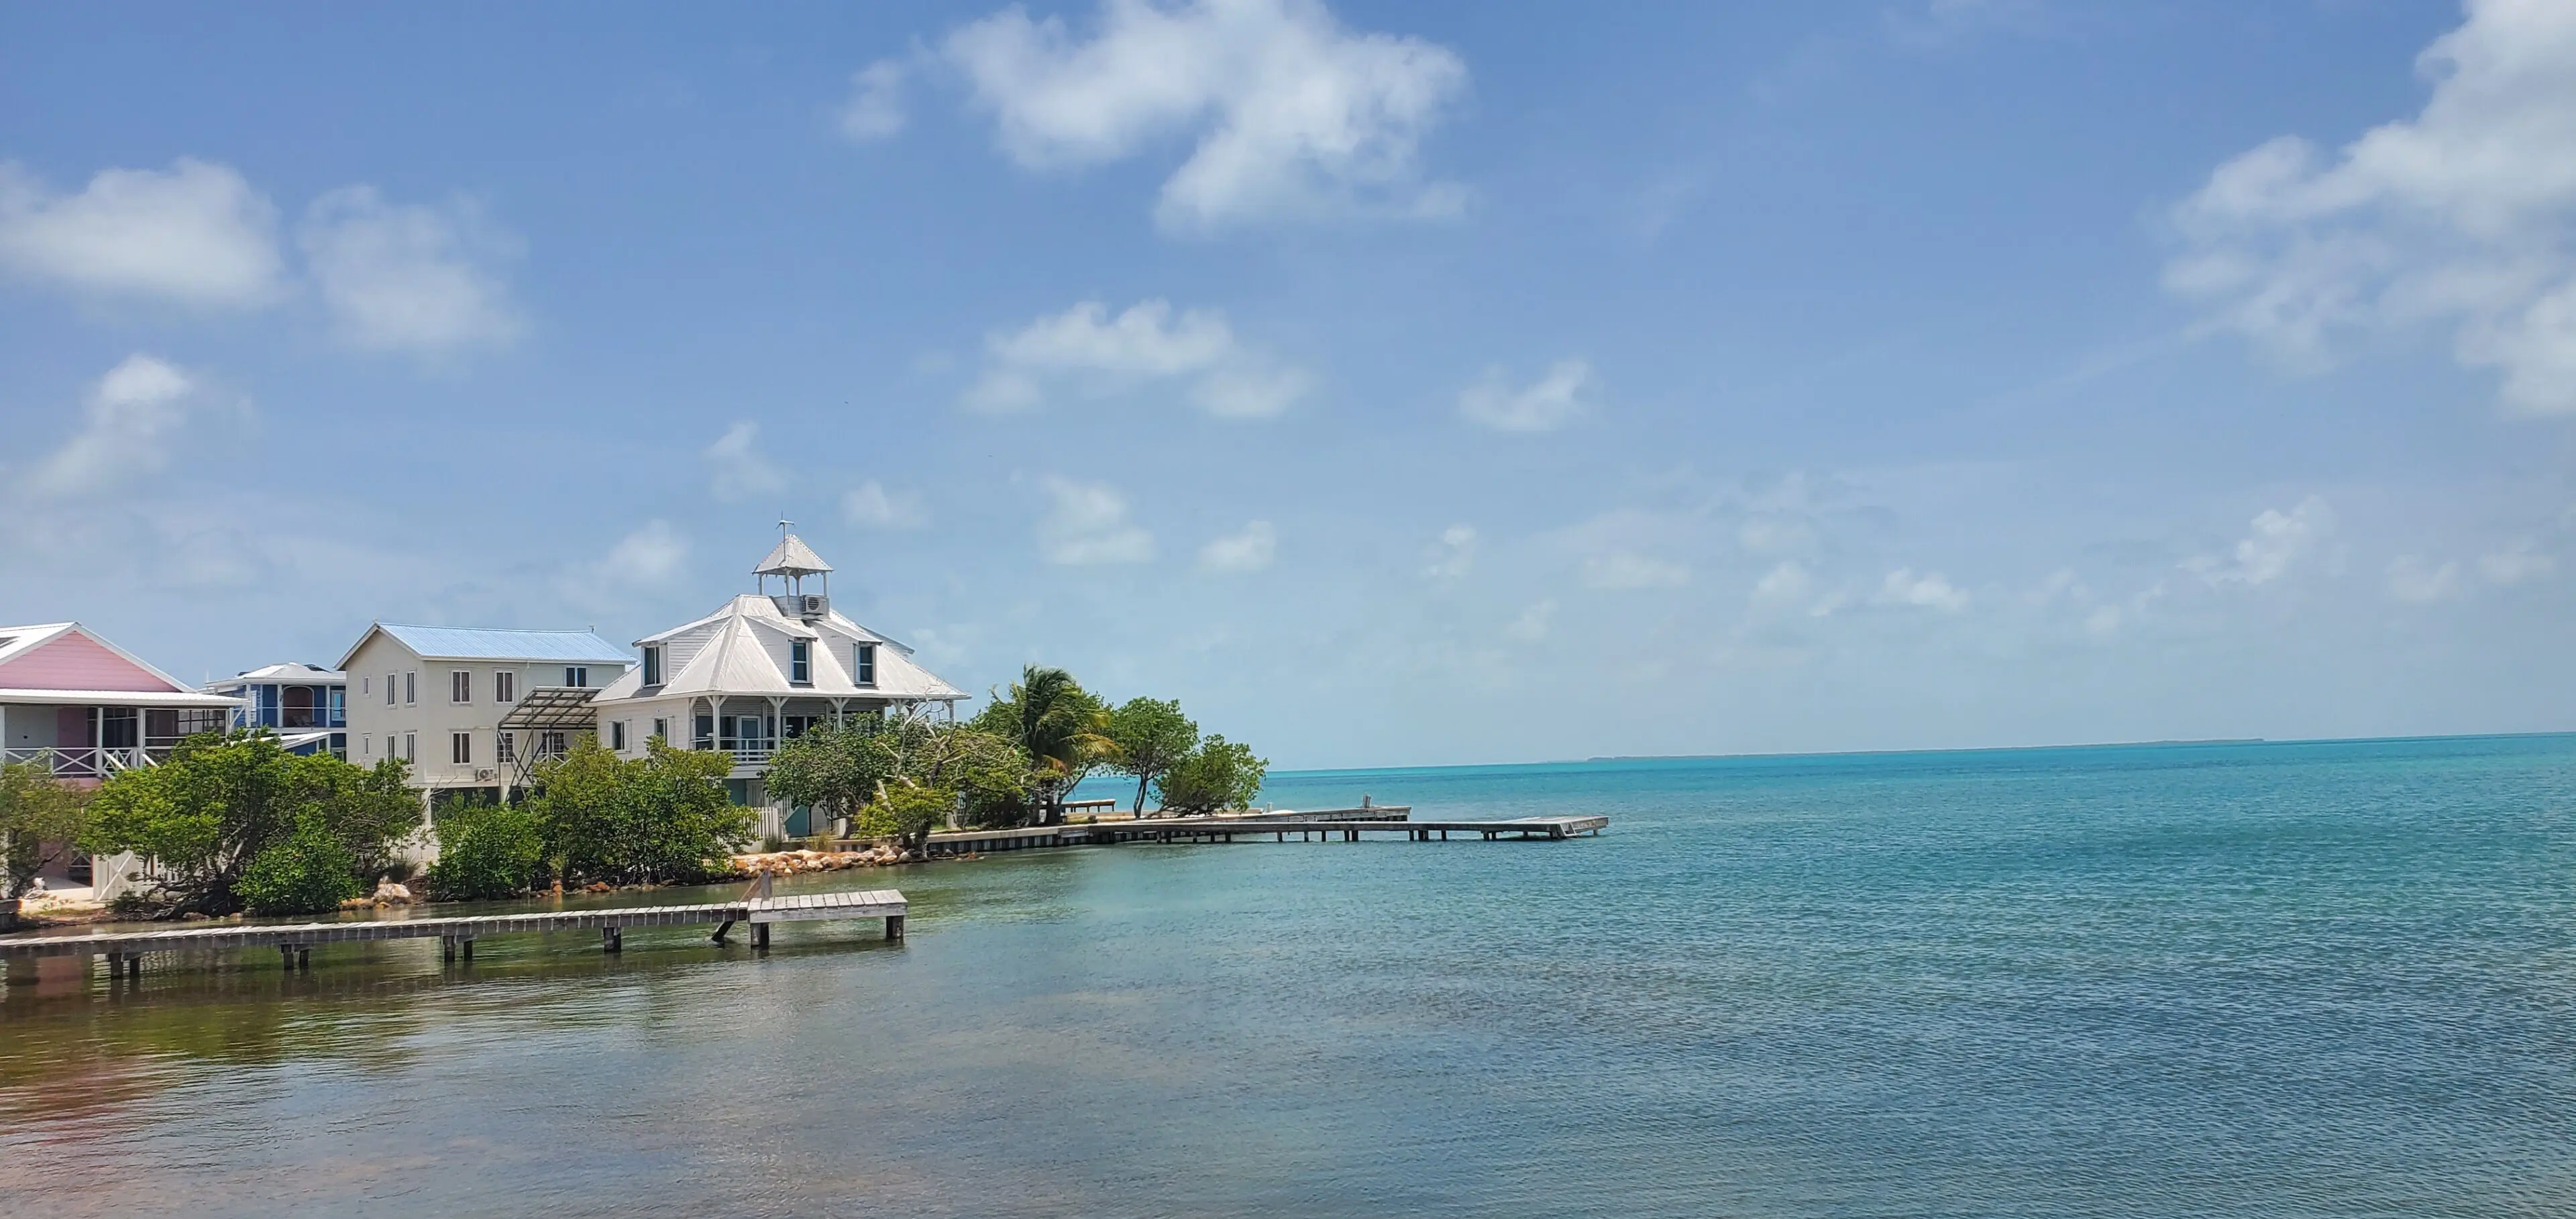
(2197, 980)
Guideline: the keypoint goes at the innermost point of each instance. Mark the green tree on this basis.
(842, 770)
(662, 818)
(486, 851)
(222, 799)
(309, 871)
(908, 813)
(1151, 736)
(1218, 775)
(41, 820)
(1059, 725)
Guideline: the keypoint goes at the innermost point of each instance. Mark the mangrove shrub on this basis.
(485, 852)
(223, 800)
(1218, 775)
(661, 818)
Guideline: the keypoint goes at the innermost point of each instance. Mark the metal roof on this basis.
(487, 643)
(792, 558)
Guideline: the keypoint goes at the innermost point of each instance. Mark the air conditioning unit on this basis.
(813, 605)
(485, 772)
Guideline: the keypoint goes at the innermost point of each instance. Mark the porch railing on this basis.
(90, 761)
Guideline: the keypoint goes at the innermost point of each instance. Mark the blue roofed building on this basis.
(305, 705)
(470, 708)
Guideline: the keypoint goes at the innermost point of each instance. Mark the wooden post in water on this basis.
(612, 939)
(894, 926)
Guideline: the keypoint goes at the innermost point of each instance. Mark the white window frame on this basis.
(411, 687)
(411, 747)
(460, 749)
(389, 689)
(505, 687)
(800, 662)
(460, 686)
(653, 665)
(617, 735)
(577, 676)
(505, 748)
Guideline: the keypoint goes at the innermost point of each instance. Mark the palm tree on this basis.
(1060, 726)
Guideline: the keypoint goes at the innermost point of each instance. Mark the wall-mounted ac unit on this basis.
(813, 605)
(485, 772)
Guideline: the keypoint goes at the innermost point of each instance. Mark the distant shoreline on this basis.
(1286, 772)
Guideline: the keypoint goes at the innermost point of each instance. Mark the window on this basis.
(460, 686)
(705, 735)
(411, 746)
(366, 685)
(460, 748)
(662, 731)
(389, 689)
(863, 667)
(576, 676)
(550, 744)
(800, 662)
(505, 747)
(617, 735)
(652, 666)
(367, 744)
(505, 687)
(339, 707)
(411, 686)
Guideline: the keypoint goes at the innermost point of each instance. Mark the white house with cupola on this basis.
(762, 669)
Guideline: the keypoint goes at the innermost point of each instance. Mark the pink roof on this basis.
(75, 660)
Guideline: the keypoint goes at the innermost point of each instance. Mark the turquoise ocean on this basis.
(2178, 980)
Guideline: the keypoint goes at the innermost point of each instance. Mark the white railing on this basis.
(89, 761)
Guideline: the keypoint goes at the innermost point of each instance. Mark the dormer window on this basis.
(863, 664)
(652, 666)
(800, 662)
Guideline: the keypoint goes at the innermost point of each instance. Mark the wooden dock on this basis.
(1344, 824)
(124, 950)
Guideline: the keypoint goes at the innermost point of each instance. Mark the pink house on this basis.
(85, 708)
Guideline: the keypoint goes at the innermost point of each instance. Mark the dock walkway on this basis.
(1346, 824)
(124, 950)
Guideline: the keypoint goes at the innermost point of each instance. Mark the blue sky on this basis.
(1390, 384)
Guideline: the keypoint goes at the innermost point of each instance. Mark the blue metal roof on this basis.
(483, 643)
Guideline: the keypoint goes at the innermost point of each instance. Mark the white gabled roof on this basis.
(743, 650)
(290, 673)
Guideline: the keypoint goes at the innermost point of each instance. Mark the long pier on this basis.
(1346, 824)
(124, 950)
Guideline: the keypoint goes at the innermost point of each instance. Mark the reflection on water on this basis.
(2246, 980)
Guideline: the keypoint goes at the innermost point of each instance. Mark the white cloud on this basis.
(196, 235)
(1930, 590)
(1788, 588)
(1533, 623)
(1088, 526)
(1251, 549)
(408, 277)
(869, 505)
(1451, 557)
(875, 110)
(2459, 217)
(2417, 580)
(739, 471)
(1629, 570)
(127, 425)
(1294, 116)
(1085, 350)
(2278, 541)
(2518, 563)
(1775, 534)
(1543, 405)
(2103, 622)
(650, 555)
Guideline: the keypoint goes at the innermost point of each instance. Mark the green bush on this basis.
(307, 872)
(486, 852)
(907, 813)
(1217, 775)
